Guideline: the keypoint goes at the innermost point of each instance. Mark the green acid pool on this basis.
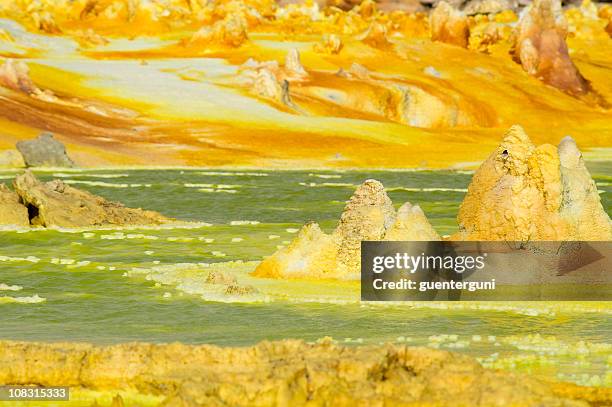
(108, 286)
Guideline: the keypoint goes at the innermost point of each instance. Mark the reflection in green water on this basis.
(83, 275)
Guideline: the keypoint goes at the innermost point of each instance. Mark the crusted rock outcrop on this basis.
(329, 44)
(366, 216)
(369, 215)
(407, 6)
(376, 36)
(449, 25)
(55, 204)
(580, 203)
(288, 372)
(269, 80)
(523, 192)
(229, 32)
(485, 35)
(488, 6)
(419, 108)
(267, 85)
(12, 212)
(293, 65)
(44, 151)
(15, 75)
(541, 49)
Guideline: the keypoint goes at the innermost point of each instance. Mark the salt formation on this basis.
(44, 21)
(486, 34)
(488, 6)
(407, 6)
(59, 205)
(411, 224)
(15, 75)
(271, 81)
(293, 65)
(267, 85)
(229, 32)
(541, 49)
(522, 193)
(419, 108)
(12, 212)
(285, 373)
(89, 38)
(329, 44)
(449, 25)
(376, 36)
(369, 215)
(580, 202)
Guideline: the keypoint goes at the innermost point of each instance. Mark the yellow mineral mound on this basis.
(449, 25)
(376, 36)
(580, 205)
(15, 75)
(229, 32)
(329, 44)
(411, 224)
(486, 34)
(488, 6)
(369, 215)
(541, 49)
(523, 192)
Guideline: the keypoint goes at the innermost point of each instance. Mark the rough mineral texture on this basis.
(580, 205)
(12, 212)
(407, 6)
(488, 6)
(485, 35)
(329, 44)
(449, 25)
(57, 204)
(369, 215)
(523, 192)
(11, 159)
(293, 65)
(15, 75)
(376, 36)
(541, 49)
(411, 224)
(229, 32)
(312, 254)
(44, 151)
(285, 373)
(419, 108)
